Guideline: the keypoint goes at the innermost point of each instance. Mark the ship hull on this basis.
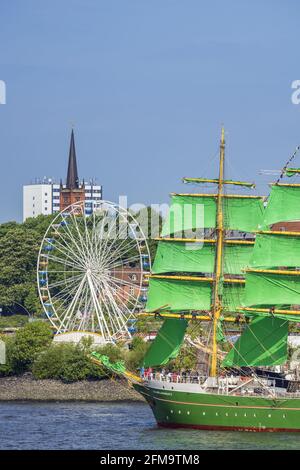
(180, 409)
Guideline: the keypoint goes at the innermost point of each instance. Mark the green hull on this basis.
(211, 411)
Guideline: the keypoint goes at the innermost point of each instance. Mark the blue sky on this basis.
(147, 85)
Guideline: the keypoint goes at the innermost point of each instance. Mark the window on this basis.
(133, 277)
(131, 290)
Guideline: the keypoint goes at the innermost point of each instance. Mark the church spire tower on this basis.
(73, 191)
(72, 176)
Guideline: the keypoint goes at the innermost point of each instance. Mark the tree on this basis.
(27, 343)
(18, 256)
(71, 362)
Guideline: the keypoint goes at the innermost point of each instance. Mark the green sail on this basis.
(242, 214)
(178, 295)
(190, 213)
(236, 258)
(265, 289)
(184, 257)
(167, 343)
(283, 205)
(233, 296)
(263, 343)
(272, 251)
(199, 257)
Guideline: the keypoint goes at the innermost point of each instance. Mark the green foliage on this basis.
(19, 246)
(134, 357)
(145, 325)
(13, 321)
(27, 343)
(70, 362)
(137, 342)
(18, 256)
(115, 353)
(186, 359)
(67, 362)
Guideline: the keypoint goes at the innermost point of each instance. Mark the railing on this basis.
(175, 378)
(227, 386)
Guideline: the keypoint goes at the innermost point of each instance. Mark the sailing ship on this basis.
(240, 270)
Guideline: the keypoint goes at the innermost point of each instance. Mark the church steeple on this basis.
(73, 192)
(72, 176)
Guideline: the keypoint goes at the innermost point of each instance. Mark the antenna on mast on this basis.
(288, 162)
(269, 172)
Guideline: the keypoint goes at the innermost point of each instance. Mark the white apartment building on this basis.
(44, 198)
(37, 199)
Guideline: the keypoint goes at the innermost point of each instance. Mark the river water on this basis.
(108, 426)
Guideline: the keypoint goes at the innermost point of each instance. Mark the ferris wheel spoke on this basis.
(88, 234)
(67, 252)
(101, 292)
(116, 316)
(105, 236)
(100, 284)
(125, 262)
(65, 293)
(56, 259)
(124, 311)
(55, 271)
(122, 286)
(118, 281)
(85, 250)
(100, 315)
(118, 246)
(116, 239)
(117, 286)
(65, 281)
(71, 286)
(113, 317)
(72, 305)
(79, 310)
(86, 314)
(119, 317)
(81, 249)
(119, 253)
(117, 259)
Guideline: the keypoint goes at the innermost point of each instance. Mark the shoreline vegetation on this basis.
(27, 388)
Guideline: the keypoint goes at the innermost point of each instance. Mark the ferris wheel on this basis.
(90, 271)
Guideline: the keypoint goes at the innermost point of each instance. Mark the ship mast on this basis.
(216, 305)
